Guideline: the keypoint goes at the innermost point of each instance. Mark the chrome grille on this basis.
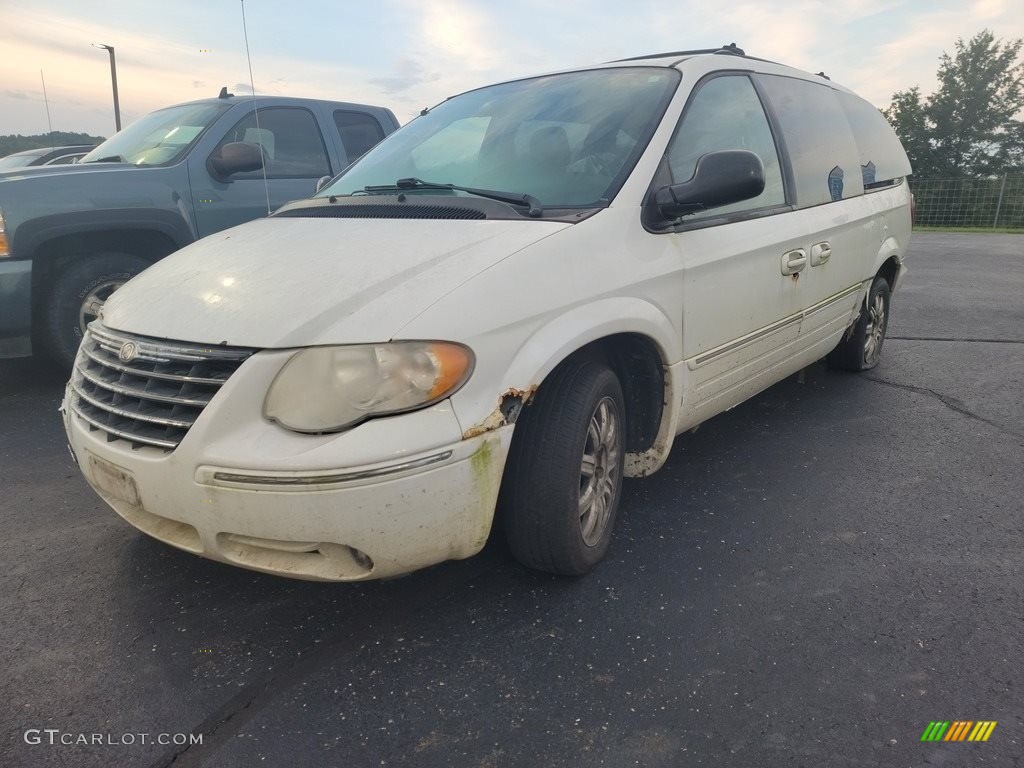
(148, 392)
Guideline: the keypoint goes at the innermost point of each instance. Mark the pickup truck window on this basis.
(292, 145)
(359, 132)
(568, 139)
(159, 138)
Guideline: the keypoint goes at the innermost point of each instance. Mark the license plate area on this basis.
(113, 481)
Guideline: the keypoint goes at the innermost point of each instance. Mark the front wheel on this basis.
(76, 298)
(561, 489)
(861, 349)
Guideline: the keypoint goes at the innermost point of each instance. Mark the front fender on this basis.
(502, 384)
(175, 224)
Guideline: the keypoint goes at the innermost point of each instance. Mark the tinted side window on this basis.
(291, 141)
(724, 114)
(882, 158)
(359, 132)
(818, 138)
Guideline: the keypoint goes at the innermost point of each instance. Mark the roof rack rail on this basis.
(730, 50)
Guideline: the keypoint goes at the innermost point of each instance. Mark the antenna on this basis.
(256, 109)
(47, 102)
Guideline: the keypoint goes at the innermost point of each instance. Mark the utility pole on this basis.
(113, 81)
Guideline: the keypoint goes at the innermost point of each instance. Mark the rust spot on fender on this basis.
(510, 404)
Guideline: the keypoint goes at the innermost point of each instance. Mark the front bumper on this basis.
(243, 491)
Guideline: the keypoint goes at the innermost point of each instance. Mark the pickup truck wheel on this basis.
(861, 349)
(562, 484)
(76, 298)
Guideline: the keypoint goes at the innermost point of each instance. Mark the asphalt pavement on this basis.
(812, 578)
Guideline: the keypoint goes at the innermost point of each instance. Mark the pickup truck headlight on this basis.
(5, 249)
(329, 389)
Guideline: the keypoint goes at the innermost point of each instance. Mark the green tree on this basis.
(17, 143)
(969, 126)
(908, 117)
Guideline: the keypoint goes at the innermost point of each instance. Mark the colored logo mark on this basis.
(958, 730)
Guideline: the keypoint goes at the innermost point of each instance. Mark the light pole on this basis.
(113, 80)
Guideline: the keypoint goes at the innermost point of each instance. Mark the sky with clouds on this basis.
(407, 54)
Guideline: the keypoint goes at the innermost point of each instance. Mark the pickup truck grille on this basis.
(147, 392)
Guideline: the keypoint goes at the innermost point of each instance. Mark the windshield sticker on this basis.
(868, 172)
(835, 183)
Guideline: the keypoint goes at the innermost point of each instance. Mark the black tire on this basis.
(862, 348)
(544, 477)
(61, 332)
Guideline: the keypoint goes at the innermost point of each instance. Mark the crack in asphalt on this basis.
(954, 338)
(950, 402)
(225, 714)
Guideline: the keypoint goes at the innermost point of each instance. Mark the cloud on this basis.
(406, 73)
(459, 30)
(432, 49)
(909, 58)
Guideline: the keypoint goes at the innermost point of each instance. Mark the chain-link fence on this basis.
(984, 203)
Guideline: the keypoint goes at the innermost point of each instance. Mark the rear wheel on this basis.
(861, 349)
(561, 489)
(76, 298)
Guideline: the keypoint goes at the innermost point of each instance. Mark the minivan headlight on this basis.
(328, 389)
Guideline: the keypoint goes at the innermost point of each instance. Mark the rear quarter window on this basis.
(882, 158)
(359, 132)
(818, 139)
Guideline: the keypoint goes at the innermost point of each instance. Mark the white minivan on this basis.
(497, 313)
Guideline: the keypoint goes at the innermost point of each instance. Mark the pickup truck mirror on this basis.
(322, 182)
(235, 157)
(720, 178)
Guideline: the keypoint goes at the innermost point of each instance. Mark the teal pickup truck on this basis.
(70, 235)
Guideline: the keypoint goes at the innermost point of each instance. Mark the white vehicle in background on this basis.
(511, 303)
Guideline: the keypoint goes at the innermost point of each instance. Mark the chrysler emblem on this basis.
(127, 352)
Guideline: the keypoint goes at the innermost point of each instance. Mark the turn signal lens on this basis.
(5, 249)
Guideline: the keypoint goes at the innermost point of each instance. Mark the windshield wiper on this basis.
(513, 198)
(110, 159)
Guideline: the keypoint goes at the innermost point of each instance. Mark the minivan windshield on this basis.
(569, 140)
(159, 138)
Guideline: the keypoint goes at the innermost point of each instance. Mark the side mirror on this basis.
(720, 178)
(235, 157)
(322, 182)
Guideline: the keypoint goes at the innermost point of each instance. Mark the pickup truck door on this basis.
(295, 156)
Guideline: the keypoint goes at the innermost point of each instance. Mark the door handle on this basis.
(820, 253)
(793, 261)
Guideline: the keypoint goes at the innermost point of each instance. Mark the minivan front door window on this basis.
(724, 114)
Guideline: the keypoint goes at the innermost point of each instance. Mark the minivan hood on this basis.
(292, 282)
